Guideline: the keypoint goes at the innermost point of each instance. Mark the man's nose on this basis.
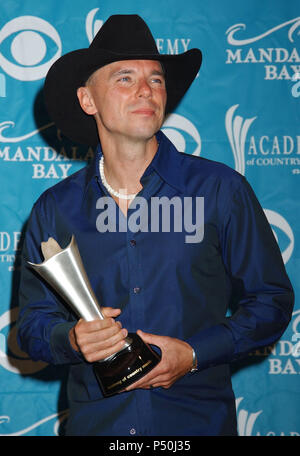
(144, 89)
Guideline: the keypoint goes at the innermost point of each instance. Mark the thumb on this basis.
(110, 312)
(150, 338)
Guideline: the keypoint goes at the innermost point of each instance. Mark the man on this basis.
(174, 289)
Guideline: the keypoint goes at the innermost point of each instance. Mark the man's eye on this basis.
(157, 81)
(124, 79)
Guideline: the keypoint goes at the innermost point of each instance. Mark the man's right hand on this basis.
(98, 339)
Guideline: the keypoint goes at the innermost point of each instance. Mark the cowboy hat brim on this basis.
(72, 70)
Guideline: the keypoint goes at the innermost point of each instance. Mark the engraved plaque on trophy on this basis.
(63, 270)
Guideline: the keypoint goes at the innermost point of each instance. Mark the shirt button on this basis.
(132, 243)
(132, 431)
(136, 290)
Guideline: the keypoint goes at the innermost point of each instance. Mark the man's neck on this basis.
(126, 161)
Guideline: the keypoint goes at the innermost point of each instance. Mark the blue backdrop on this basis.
(242, 109)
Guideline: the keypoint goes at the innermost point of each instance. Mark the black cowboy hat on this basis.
(122, 37)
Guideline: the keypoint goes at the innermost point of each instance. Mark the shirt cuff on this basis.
(61, 348)
(213, 346)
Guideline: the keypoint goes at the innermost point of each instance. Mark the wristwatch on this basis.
(194, 367)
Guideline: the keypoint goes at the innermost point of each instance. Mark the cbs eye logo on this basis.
(183, 134)
(29, 45)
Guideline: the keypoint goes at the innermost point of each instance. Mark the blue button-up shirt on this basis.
(164, 285)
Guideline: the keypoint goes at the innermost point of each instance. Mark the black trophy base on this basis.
(126, 367)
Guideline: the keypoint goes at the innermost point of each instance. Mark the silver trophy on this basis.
(63, 270)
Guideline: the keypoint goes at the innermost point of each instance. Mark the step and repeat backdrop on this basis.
(243, 109)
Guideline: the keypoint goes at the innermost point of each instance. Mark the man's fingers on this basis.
(155, 376)
(151, 339)
(96, 333)
(175, 362)
(102, 353)
(91, 327)
(110, 312)
(101, 344)
(99, 339)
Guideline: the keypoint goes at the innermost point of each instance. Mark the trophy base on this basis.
(126, 366)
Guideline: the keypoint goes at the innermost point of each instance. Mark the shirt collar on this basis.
(167, 163)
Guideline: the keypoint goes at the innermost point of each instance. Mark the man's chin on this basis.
(144, 134)
(146, 131)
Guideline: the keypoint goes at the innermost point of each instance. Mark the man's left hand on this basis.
(176, 361)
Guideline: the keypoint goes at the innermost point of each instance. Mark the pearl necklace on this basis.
(109, 188)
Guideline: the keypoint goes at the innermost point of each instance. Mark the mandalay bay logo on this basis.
(282, 358)
(280, 63)
(49, 163)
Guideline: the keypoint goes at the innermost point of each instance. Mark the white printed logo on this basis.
(18, 362)
(237, 129)
(245, 419)
(296, 335)
(283, 356)
(174, 127)
(265, 150)
(59, 417)
(28, 48)
(280, 222)
(164, 45)
(16, 139)
(295, 23)
(295, 88)
(278, 62)
(92, 26)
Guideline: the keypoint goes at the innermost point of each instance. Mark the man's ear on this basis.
(86, 101)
